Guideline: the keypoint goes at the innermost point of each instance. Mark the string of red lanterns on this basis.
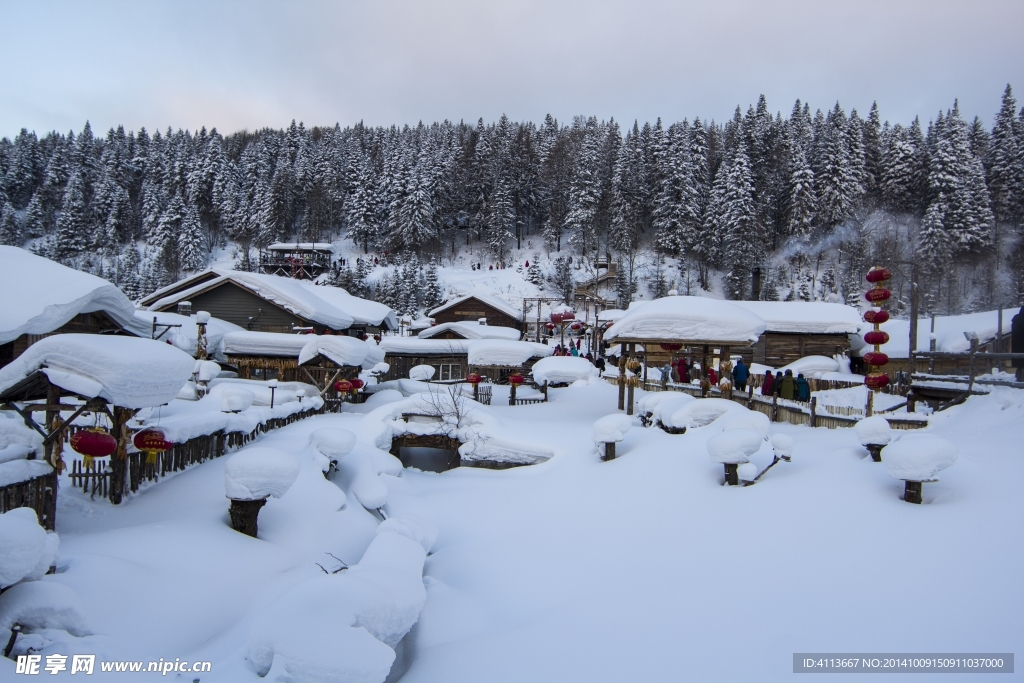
(877, 295)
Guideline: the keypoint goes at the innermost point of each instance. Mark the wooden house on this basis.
(471, 308)
(470, 330)
(299, 260)
(796, 329)
(271, 303)
(448, 357)
(43, 298)
(498, 359)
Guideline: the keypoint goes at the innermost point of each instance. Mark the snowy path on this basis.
(643, 568)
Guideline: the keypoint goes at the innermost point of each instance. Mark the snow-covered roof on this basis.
(471, 330)
(186, 336)
(492, 301)
(562, 369)
(41, 295)
(689, 319)
(949, 332)
(610, 315)
(498, 352)
(415, 345)
(128, 372)
(246, 343)
(807, 317)
(342, 350)
(330, 306)
(292, 246)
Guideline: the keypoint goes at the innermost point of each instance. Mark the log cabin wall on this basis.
(401, 363)
(96, 322)
(473, 309)
(237, 305)
(776, 349)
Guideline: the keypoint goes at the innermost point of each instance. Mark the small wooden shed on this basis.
(472, 307)
(448, 357)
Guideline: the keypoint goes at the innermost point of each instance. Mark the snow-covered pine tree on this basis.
(802, 200)
(72, 227)
(129, 279)
(564, 282)
(10, 231)
(533, 274)
(191, 254)
(1005, 180)
(744, 247)
(432, 290)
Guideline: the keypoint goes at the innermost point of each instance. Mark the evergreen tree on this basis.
(564, 282)
(802, 199)
(10, 232)
(191, 255)
(533, 273)
(73, 225)
(1005, 178)
(432, 288)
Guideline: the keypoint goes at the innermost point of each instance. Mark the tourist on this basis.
(803, 388)
(787, 388)
(740, 375)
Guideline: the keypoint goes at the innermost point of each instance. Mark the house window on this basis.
(449, 371)
(264, 373)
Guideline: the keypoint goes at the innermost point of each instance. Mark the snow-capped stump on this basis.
(609, 430)
(782, 444)
(747, 419)
(874, 434)
(917, 459)
(732, 448)
(333, 444)
(422, 373)
(28, 551)
(747, 473)
(38, 605)
(253, 475)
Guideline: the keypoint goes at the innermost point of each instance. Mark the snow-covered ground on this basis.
(641, 568)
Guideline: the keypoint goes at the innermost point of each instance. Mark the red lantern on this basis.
(877, 295)
(576, 326)
(876, 337)
(151, 442)
(876, 380)
(671, 347)
(568, 315)
(93, 443)
(878, 275)
(876, 317)
(550, 326)
(343, 386)
(516, 379)
(876, 358)
(357, 384)
(473, 378)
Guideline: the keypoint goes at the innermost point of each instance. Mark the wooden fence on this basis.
(38, 493)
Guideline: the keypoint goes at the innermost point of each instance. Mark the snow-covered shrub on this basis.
(782, 444)
(26, 551)
(366, 486)
(422, 373)
(259, 472)
(919, 457)
(734, 446)
(39, 605)
(332, 442)
(747, 471)
(746, 419)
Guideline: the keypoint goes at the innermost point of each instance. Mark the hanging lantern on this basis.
(550, 326)
(93, 443)
(876, 380)
(877, 295)
(556, 318)
(516, 379)
(576, 326)
(875, 315)
(151, 442)
(877, 337)
(671, 347)
(568, 315)
(357, 384)
(343, 386)
(876, 358)
(473, 378)
(876, 275)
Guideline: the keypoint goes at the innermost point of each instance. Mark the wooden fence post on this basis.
(775, 408)
(814, 411)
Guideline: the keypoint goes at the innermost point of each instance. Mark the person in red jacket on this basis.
(766, 388)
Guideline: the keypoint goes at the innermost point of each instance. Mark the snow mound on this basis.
(782, 444)
(563, 370)
(383, 397)
(688, 318)
(411, 526)
(497, 352)
(206, 370)
(247, 343)
(42, 604)
(734, 445)
(873, 430)
(259, 472)
(746, 419)
(805, 317)
(16, 439)
(343, 627)
(18, 470)
(24, 545)
(341, 351)
(422, 373)
(361, 470)
(612, 428)
(747, 471)
(128, 372)
(696, 413)
(332, 442)
(812, 366)
(41, 295)
(471, 330)
(498, 449)
(918, 457)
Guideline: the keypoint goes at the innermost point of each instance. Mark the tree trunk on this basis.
(244, 514)
(912, 492)
(732, 477)
(609, 451)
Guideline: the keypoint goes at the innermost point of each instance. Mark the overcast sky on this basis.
(250, 64)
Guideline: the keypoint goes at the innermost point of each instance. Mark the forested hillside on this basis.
(760, 205)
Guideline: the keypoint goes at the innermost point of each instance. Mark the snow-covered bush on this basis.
(919, 457)
(259, 472)
(331, 445)
(747, 471)
(782, 444)
(746, 419)
(422, 373)
(36, 605)
(26, 551)
(873, 430)
(343, 627)
(368, 488)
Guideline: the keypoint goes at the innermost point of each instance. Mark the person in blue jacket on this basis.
(740, 375)
(803, 389)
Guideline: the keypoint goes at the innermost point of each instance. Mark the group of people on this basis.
(571, 349)
(786, 386)
(685, 371)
